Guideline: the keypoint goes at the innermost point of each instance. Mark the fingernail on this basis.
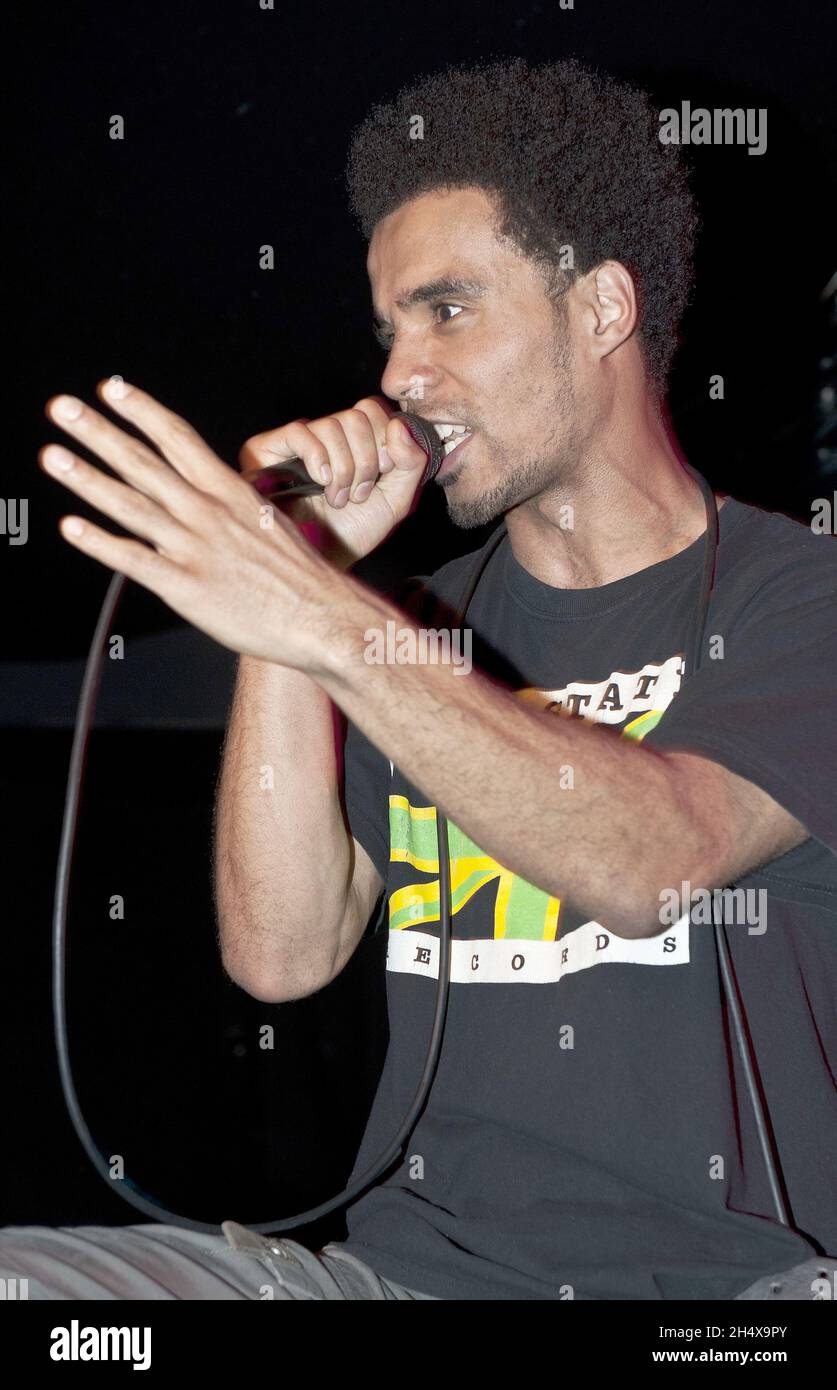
(115, 388)
(325, 475)
(67, 408)
(362, 491)
(57, 459)
(385, 463)
(341, 497)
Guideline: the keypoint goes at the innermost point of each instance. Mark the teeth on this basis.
(455, 440)
(451, 435)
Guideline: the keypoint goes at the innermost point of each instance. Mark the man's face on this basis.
(476, 341)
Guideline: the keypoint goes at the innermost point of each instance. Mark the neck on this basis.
(629, 504)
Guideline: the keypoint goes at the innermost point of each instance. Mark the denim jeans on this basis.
(169, 1262)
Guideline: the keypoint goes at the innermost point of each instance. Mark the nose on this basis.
(408, 374)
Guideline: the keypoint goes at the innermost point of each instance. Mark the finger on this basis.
(405, 453)
(341, 461)
(141, 563)
(176, 439)
(360, 435)
(127, 456)
(131, 509)
(378, 413)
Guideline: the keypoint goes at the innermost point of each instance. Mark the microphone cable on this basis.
(293, 481)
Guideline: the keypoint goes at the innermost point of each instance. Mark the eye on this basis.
(444, 305)
(385, 337)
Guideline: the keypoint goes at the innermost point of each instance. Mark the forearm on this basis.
(584, 814)
(282, 853)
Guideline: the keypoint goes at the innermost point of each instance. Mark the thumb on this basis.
(407, 456)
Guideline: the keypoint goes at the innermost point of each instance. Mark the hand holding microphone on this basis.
(355, 473)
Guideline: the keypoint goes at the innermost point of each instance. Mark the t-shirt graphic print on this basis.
(522, 912)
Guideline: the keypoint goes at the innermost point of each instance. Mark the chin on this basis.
(476, 511)
(468, 512)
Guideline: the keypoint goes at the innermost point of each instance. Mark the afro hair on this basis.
(573, 159)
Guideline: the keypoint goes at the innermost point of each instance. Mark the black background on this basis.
(141, 257)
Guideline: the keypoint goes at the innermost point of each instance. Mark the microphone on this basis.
(291, 478)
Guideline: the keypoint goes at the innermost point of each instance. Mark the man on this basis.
(588, 1134)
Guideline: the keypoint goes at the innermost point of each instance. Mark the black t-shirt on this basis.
(588, 1133)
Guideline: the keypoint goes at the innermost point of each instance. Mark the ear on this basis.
(611, 306)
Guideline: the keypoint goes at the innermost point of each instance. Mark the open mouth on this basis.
(451, 435)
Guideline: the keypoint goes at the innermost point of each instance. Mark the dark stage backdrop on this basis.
(141, 257)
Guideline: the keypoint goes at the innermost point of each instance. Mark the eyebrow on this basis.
(433, 289)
